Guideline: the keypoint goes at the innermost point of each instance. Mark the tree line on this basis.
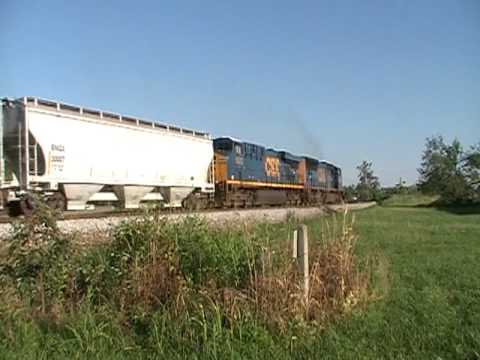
(447, 170)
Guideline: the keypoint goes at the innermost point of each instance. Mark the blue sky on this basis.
(343, 80)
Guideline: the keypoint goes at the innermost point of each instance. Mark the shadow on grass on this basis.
(438, 204)
(471, 209)
(409, 200)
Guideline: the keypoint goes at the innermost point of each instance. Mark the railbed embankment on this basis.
(226, 217)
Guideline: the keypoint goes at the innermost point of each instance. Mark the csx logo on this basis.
(272, 166)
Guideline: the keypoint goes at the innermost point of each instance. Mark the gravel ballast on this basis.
(101, 225)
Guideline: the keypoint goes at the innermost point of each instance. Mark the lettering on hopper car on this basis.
(56, 158)
(58, 147)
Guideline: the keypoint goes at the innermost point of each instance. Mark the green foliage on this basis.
(133, 239)
(410, 199)
(426, 306)
(447, 170)
(143, 244)
(37, 258)
(208, 255)
(350, 192)
(472, 169)
(94, 275)
(368, 186)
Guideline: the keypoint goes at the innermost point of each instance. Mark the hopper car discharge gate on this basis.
(125, 160)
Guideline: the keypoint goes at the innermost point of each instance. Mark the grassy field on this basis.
(432, 307)
(423, 302)
(410, 200)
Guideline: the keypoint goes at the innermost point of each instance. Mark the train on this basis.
(79, 158)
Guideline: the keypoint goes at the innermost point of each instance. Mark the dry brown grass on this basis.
(151, 285)
(276, 293)
(153, 274)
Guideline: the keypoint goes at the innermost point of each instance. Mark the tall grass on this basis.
(409, 200)
(173, 289)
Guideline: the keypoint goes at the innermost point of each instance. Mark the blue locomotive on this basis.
(248, 174)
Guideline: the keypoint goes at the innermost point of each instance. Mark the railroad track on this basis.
(100, 221)
(109, 213)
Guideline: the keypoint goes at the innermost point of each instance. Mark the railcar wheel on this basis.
(13, 209)
(193, 203)
(27, 205)
(57, 201)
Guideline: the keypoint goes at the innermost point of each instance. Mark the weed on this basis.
(180, 289)
(36, 262)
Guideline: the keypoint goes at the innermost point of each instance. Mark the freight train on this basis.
(76, 158)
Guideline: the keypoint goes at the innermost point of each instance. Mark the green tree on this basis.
(400, 187)
(350, 193)
(472, 170)
(448, 171)
(368, 187)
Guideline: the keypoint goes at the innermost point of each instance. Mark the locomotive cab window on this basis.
(238, 149)
(225, 145)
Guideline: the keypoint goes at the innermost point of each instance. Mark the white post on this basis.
(302, 257)
(294, 245)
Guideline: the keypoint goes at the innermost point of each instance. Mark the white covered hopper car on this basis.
(77, 157)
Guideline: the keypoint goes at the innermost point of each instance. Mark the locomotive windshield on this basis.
(223, 144)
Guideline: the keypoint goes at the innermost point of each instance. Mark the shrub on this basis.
(223, 257)
(139, 264)
(36, 262)
(210, 284)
